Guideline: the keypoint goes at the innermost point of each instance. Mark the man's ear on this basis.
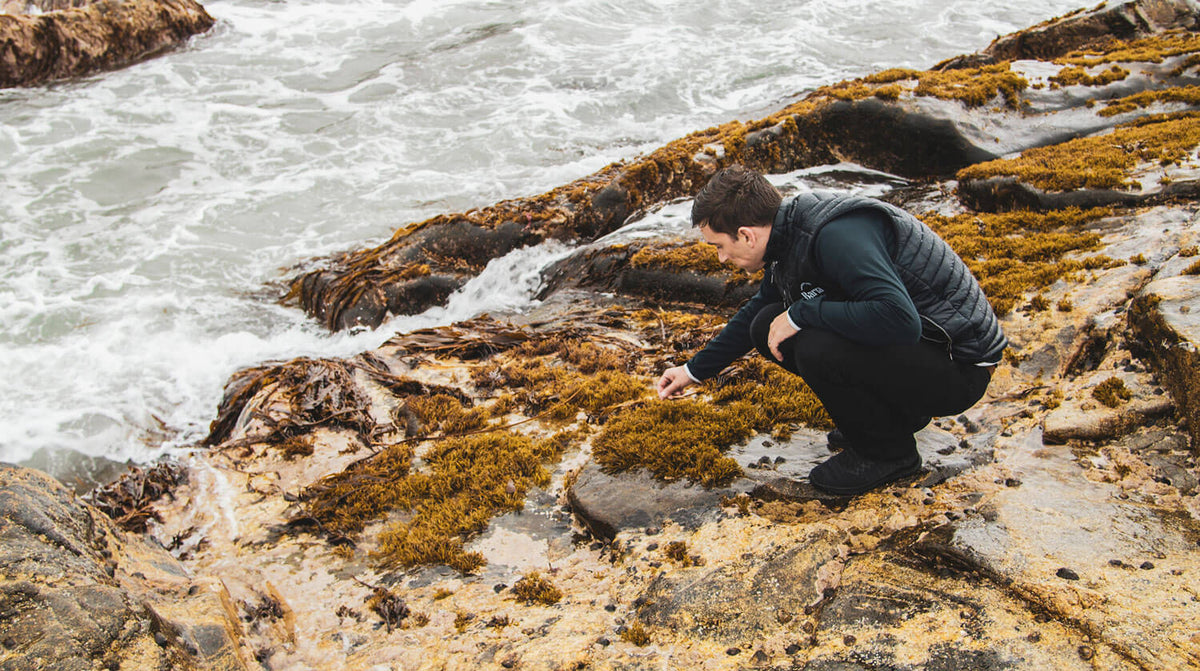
(751, 234)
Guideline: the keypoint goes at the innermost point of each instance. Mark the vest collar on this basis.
(780, 241)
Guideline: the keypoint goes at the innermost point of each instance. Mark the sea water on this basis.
(149, 216)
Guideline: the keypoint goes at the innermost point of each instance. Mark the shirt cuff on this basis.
(689, 374)
(789, 320)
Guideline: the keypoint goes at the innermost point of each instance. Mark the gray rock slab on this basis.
(773, 470)
(1074, 547)
(608, 504)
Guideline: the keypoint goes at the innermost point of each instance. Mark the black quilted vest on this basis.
(951, 304)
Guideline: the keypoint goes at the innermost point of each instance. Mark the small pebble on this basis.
(652, 547)
(767, 443)
(1067, 574)
(1034, 637)
(760, 657)
(610, 607)
(1146, 566)
(849, 639)
(733, 651)
(499, 587)
(651, 531)
(780, 460)
(792, 649)
(1012, 482)
(1116, 562)
(1086, 652)
(604, 642)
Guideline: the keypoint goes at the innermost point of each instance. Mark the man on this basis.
(869, 306)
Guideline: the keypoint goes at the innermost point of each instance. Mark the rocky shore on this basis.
(506, 492)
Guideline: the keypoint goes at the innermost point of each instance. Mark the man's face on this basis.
(745, 251)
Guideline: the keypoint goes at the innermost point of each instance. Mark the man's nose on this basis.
(722, 257)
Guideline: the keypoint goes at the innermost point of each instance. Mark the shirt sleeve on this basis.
(852, 253)
(734, 340)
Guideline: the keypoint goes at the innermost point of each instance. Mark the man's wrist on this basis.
(688, 372)
(790, 321)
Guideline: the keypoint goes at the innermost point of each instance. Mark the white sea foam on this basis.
(143, 211)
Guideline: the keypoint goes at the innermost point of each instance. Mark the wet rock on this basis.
(77, 592)
(1059, 518)
(1172, 472)
(889, 604)
(608, 268)
(1060, 36)
(738, 601)
(608, 504)
(1086, 418)
(105, 35)
(1170, 336)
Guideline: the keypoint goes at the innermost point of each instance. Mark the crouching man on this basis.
(862, 300)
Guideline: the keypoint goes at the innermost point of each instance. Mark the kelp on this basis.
(129, 500)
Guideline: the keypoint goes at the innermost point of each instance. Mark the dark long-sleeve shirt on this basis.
(861, 297)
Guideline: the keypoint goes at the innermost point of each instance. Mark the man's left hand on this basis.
(781, 329)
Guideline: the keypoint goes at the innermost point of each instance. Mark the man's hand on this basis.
(673, 381)
(781, 329)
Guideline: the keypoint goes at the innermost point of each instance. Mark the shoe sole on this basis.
(891, 479)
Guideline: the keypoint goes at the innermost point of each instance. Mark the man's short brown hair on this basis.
(735, 197)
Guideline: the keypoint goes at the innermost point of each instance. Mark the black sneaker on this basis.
(848, 474)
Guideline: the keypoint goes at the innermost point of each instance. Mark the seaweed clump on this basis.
(1071, 76)
(1188, 95)
(971, 86)
(1146, 50)
(698, 257)
(1100, 161)
(129, 501)
(687, 439)
(1112, 392)
(673, 440)
(464, 482)
(1017, 252)
(533, 588)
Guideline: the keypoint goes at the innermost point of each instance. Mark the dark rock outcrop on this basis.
(1049, 40)
(105, 35)
(77, 593)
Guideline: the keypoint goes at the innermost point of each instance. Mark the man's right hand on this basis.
(673, 381)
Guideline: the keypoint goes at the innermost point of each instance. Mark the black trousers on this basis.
(877, 396)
